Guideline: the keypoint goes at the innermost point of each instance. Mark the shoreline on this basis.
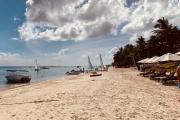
(117, 94)
(6, 86)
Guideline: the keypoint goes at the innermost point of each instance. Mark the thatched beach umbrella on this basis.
(169, 57)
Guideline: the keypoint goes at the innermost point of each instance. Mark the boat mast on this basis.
(89, 63)
(36, 65)
(101, 62)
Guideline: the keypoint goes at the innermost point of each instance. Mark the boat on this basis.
(36, 67)
(95, 74)
(18, 76)
(76, 71)
(73, 72)
(43, 67)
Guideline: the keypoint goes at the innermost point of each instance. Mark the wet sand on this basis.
(117, 95)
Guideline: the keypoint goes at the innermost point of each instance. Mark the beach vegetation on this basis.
(164, 38)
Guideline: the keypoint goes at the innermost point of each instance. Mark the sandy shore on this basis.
(118, 94)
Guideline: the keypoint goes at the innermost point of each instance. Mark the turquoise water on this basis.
(43, 74)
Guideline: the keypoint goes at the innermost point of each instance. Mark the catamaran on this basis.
(91, 68)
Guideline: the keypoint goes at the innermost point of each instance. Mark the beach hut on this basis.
(169, 57)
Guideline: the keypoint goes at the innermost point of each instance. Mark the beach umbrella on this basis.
(169, 57)
(143, 61)
(178, 53)
(151, 59)
(155, 60)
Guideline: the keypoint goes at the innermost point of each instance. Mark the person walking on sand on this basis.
(178, 75)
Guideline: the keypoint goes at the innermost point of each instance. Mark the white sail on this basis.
(89, 63)
(36, 65)
(101, 62)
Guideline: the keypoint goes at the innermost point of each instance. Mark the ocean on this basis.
(43, 74)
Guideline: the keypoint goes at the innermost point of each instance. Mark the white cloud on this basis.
(13, 59)
(14, 38)
(84, 19)
(63, 51)
(113, 50)
(8, 54)
(16, 19)
(58, 55)
(72, 19)
(109, 55)
(144, 16)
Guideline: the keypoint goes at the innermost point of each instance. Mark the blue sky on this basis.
(8, 27)
(61, 32)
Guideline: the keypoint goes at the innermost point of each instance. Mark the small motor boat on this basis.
(73, 72)
(18, 76)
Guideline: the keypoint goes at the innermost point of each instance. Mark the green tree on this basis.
(141, 48)
(167, 36)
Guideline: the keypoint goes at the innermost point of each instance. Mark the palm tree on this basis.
(167, 35)
(162, 24)
(165, 38)
(141, 47)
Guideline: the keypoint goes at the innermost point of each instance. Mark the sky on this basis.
(65, 32)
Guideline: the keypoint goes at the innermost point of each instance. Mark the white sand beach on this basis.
(117, 95)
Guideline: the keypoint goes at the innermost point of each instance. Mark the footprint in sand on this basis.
(13, 115)
(51, 117)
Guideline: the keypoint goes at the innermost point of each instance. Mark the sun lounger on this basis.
(168, 78)
(146, 73)
(160, 74)
(163, 77)
(150, 74)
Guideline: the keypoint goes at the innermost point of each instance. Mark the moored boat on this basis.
(44, 67)
(18, 76)
(73, 73)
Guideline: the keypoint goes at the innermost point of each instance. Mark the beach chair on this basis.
(178, 75)
(152, 73)
(165, 77)
(160, 74)
(168, 78)
(146, 73)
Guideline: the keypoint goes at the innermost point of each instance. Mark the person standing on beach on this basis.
(178, 75)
